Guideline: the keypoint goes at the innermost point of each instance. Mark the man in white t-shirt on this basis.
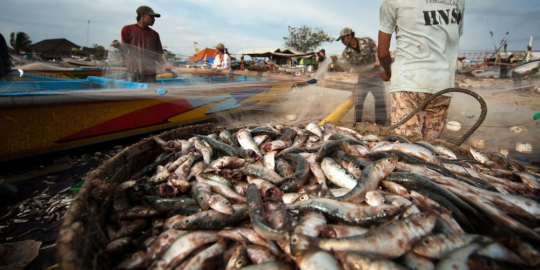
(427, 35)
(222, 61)
(522, 73)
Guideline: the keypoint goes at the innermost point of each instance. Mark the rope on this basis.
(483, 114)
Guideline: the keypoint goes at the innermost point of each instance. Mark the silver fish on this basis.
(247, 142)
(336, 174)
(389, 241)
(354, 260)
(182, 246)
(220, 204)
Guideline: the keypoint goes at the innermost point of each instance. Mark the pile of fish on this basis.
(312, 197)
(43, 207)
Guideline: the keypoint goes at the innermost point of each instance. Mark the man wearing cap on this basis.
(142, 46)
(222, 61)
(320, 57)
(360, 54)
(427, 35)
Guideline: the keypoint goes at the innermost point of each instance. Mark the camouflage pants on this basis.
(428, 122)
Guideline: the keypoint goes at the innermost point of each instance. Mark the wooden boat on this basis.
(40, 121)
(67, 73)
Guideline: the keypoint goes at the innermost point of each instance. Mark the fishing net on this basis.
(286, 96)
(82, 238)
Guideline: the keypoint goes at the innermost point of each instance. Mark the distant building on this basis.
(50, 49)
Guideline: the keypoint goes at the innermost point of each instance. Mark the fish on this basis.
(212, 219)
(207, 257)
(256, 215)
(222, 189)
(530, 182)
(246, 141)
(316, 258)
(496, 215)
(389, 241)
(201, 192)
(258, 254)
(349, 213)
(415, 261)
(269, 160)
(458, 259)
(262, 172)
(238, 259)
(269, 191)
(411, 149)
(182, 247)
(315, 129)
(220, 204)
(355, 260)
(374, 198)
(341, 231)
(337, 174)
(370, 179)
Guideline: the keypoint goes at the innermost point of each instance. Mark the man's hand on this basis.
(115, 43)
(385, 77)
(167, 66)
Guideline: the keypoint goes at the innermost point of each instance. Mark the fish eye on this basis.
(426, 242)
(385, 210)
(294, 240)
(226, 203)
(186, 221)
(201, 198)
(422, 215)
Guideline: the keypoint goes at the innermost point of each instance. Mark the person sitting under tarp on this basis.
(222, 60)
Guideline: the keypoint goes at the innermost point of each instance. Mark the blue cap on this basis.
(322, 50)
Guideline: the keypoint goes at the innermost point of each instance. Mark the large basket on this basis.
(82, 239)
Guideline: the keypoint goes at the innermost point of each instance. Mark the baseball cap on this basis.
(322, 50)
(220, 46)
(345, 31)
(147, 10)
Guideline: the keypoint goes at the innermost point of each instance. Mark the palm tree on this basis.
(20, 41)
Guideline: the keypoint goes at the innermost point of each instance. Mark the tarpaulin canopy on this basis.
(206, 53)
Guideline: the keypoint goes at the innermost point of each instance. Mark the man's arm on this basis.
(383, 52)
(165, 65)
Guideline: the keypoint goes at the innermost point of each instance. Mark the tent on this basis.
(206, 53)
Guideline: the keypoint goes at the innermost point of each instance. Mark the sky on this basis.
(251, 24)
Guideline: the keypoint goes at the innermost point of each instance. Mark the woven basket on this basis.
(82, 239)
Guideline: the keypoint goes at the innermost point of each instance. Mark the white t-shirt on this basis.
(520, 71)
(225, 62)
(427, 35)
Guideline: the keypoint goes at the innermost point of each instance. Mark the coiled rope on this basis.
(483, 114)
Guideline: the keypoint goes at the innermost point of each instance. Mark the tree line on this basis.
(302, 38)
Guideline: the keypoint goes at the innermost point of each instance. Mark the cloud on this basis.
(246, 23)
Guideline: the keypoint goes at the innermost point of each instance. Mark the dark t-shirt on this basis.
(4, 57)
(143, 50)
